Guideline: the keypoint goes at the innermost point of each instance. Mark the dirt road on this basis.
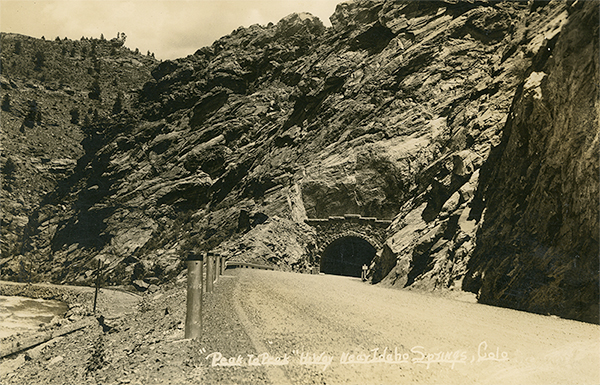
(338, 330)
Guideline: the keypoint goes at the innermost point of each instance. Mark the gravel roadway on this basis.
(323, 329)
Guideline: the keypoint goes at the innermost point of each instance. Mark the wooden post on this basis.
(193, 317)
(97, 283)
(217, 267)
(222, 265)
(210, 272)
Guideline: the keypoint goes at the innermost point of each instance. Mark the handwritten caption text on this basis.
(417, 355)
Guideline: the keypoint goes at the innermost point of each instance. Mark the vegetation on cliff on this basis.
(53, 91)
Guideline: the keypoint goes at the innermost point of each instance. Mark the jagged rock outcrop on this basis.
(465, 70)
(390, 113)
(537, 249)
(540, 219)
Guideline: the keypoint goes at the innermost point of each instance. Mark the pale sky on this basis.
(169, 28)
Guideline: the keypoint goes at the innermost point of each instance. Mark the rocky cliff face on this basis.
(537, 249)
(390, 113)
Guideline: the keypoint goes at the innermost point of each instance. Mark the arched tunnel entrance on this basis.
(346, 256)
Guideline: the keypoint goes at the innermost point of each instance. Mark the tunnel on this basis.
(346, 256)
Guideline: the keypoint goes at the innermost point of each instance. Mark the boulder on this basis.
(297, 23)
(140, 285)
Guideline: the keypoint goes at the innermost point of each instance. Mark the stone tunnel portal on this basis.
(346, 256)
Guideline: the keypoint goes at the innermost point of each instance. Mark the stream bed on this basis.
(22, 314)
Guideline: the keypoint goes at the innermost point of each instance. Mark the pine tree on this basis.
(9, 167)
(39, 60)
(120, 40)
(86, 121)
(33, 114)
(6, 102)
(74, 115)
(118, 106)
(96, 62)
(95, 90)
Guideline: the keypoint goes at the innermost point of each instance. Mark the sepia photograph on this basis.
(288, 192)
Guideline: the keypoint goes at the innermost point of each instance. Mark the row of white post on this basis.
(215, 266)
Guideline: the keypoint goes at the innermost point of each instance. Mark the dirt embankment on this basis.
(137, 343)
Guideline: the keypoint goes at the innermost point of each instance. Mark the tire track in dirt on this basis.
(276, 374)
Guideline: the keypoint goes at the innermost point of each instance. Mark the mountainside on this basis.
(392, 113)
(51, 92)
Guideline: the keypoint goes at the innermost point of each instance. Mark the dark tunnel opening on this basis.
(346, 256)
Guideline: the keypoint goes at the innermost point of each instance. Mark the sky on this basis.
(169, 28)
